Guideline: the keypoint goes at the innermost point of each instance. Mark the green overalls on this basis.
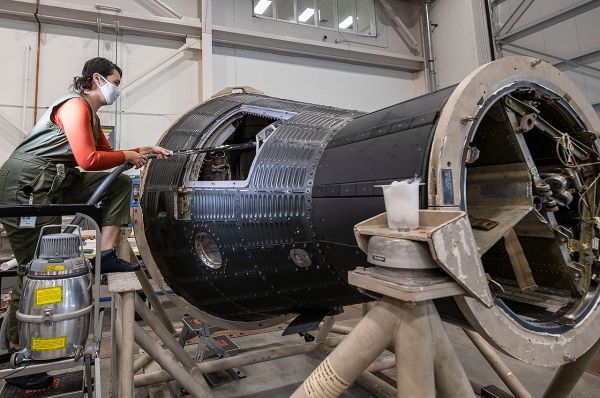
(45, 162)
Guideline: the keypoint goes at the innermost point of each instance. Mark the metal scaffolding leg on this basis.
(496, 362)
(414, 347)
(451, 381)
(167, 338)
(421, 347)
(123, 287)
(173, 367)
(568, 375)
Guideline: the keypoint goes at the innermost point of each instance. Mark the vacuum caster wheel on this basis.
(14, 360)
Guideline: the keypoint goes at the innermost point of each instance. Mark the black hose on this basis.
(95, 198)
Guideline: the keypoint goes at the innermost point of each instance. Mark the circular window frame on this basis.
(207, 254)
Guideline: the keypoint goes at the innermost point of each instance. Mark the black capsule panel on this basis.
(313, 179)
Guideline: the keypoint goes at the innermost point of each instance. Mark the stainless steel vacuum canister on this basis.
(56, 301)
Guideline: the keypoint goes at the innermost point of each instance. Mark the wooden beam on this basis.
(519, 262)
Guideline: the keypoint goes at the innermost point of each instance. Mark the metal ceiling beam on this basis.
(563, 63)
(580, 61)
(168, 8)
(516, 15)
(550, 20)
(10, 130)
(407, 37)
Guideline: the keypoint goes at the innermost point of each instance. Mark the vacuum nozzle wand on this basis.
(231, 147)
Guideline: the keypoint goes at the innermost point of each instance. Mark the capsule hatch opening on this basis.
(532, 201)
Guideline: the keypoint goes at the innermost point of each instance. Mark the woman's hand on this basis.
(161, 152)
(136, 159)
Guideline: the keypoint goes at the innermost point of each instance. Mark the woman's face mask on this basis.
(110, 91)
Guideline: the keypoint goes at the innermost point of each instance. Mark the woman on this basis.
(42, 170)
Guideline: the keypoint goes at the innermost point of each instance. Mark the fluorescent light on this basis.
(306, 14)
(262, 6)
(346, 22)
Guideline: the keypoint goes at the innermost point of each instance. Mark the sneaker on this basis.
(111, 263)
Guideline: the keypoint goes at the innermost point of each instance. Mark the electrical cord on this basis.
(17, 371)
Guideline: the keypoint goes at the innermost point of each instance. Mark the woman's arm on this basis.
(74, 118)
(104, 145)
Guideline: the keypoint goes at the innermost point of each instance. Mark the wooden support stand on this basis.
(122, 286)
(176, 362)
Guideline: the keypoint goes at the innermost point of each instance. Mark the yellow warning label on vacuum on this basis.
(48, 343)
(55, 268)
(51, 295)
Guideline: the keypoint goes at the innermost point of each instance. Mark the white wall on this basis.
(460, 40)
(309, 80)
(333, 83)
(144, 111)
(188, 8)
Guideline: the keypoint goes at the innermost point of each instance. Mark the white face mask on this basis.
(110, 91)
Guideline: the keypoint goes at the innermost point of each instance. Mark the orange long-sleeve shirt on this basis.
(75, 120)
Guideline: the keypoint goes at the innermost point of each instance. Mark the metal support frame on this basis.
(8, 125)
(550, 20)
(503, 35)
(567, 376)
(168, 8)
(496, 362)
(173, 367)
(580, 61)
(425, 360)
(404, 318)
(407, 37)
(514, 48)
(258, 355)
(206, 342)
(169, 341)
(191, 43)
(123, 287)
(516, 15)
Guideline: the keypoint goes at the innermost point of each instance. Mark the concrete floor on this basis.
(281, 377)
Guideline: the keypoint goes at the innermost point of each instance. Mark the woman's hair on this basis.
(95, 65)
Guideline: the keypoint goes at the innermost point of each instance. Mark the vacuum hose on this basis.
(95, 198)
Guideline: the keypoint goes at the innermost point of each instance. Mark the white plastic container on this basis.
(402, 204)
